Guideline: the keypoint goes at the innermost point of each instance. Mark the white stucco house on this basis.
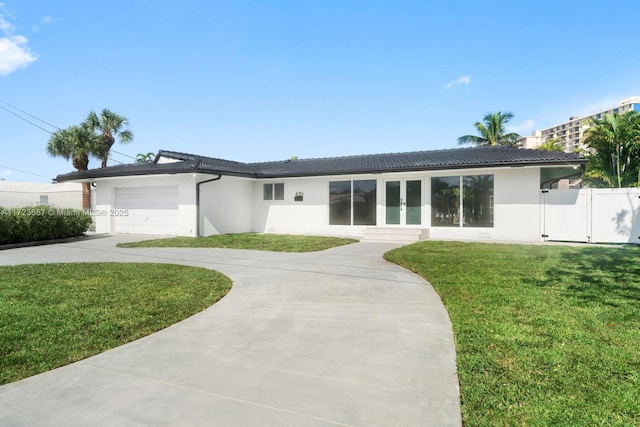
(465, 193)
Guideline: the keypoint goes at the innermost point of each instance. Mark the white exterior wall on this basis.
(236, 205)
(311, 216)
(65, 199)
(104, 215)
(516, 206)
(16, 194)
(226, 205)
(517, 201)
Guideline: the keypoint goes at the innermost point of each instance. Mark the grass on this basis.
(256, 241)
(545, 335)
(55, 314)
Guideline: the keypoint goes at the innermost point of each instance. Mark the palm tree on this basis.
(109, 125)
(492, 131)
(75, 143)
(145, 157)
(615, 144)
(553, 144)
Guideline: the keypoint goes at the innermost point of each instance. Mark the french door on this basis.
(403, 202)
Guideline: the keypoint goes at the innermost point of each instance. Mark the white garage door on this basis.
(147, 210)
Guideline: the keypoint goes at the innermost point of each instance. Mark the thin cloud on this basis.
(5, 26)
(528, 125)
(14, 52)
(462, 80)
(46, 20)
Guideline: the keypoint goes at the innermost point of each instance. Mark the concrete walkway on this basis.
(332, 338)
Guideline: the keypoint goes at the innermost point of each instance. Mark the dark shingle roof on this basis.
(459, 158)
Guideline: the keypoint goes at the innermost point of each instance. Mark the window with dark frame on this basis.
(278, 191)
(352, 202)
(273, 191)
(462, 201)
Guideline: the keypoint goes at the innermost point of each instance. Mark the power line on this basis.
(48, 177)
(28, 173)
(114, 160)
(30, 115)
(49, 124)
(26, 120)
(122, 154)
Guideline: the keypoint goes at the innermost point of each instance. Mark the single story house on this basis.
(464, 193)
(18, 194)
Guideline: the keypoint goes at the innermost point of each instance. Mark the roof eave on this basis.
(576, 162)
(91, 175)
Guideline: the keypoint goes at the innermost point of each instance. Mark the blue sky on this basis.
(266, 80)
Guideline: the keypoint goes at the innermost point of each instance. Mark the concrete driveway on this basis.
(332, 338)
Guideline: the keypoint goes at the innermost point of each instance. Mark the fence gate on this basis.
(597, 215)
(566, 215)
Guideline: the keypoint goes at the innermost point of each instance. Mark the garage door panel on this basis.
(149, 210)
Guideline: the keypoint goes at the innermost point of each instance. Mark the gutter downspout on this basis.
(198, 184)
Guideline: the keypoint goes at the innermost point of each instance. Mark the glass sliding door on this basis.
(413, 192)
(478, 201)
(462, 201)
(393, 202)
(340, 203)
(353, 202)
(364, 202)
(445, 201)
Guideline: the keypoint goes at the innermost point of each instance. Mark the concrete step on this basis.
(395, 235)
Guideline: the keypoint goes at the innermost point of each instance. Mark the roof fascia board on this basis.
(425, 169)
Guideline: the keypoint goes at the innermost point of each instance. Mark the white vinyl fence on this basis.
(595, 215)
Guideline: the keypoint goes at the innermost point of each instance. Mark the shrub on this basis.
(37, 223)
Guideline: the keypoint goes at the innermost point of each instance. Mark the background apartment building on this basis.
(570, 133)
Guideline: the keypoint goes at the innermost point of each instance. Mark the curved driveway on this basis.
(333, 338)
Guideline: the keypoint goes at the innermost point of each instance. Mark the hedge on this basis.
(37, 223)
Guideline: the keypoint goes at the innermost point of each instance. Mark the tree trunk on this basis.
(86, 195)
(109, 140)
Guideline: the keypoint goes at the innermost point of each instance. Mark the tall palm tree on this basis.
(76, 143)
(491, 131)
(108, 125)
(615, 144)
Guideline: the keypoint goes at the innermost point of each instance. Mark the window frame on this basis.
(356, 212)
(273, 191)
(461, 192)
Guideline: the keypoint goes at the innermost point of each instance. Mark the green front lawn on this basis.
(545, 335)
(257, 241)
(55, 314)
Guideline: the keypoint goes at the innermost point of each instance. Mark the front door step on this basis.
(395, 234)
